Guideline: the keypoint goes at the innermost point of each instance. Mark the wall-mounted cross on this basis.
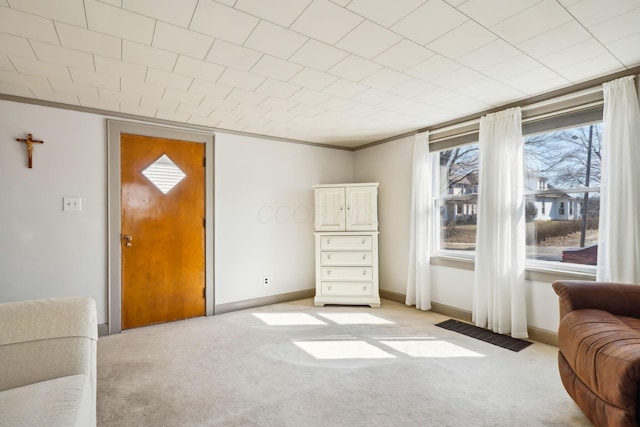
(30, 141)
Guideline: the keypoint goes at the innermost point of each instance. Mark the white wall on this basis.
(263, 208)
(264, 213)
(45, 252)
(390, 164)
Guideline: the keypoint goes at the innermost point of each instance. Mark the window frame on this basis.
(591, 113)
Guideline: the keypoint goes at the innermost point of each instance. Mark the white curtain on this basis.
(418, 286)
(619, 230)
(498, 289)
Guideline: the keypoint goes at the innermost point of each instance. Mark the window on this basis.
(568, 162)
(456, 199)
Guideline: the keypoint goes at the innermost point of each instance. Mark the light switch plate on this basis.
(71, 204)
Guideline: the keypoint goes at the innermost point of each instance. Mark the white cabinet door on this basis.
(330, 209)
(362, 208)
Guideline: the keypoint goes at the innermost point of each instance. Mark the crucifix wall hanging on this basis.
(30, 141)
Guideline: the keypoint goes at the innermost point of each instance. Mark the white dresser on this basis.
(346, 224)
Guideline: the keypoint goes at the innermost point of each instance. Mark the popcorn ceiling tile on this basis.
(274, 40)
(281, 12)
(318, 55)
(372, 97)
(368, 40)
(385, 79)
(246, 97)
(536, 20)
(74, 89)
(220, 21)
(148, 56)
(119, 68)
(137, 110)
(313, 79)
(158, 103)
(277, 88)
(592, 12)
(404, 55)
(489, 55)
(276, 68)
(18, 46)
(490, 12)
(36, 68)
(207, 88)
(177, 39)
(599, 65)
(72, 12)
(432, 68)
(119, 22)
(344, 88)
(461, 40)
(240, 79)
(512, 67)
(26, 25)
(232, 55)
(89, 41)
(412, 88)
(139, 87)
(276, 104)
(88, 78)
(117, 96)
(562, 37)
(313, 21)
(218, 104)
(354, 68)
(338, 104)
(309, 97)
(163, 78)
(617, 28)
(430, 21)
(171, 11)
(62, 56)
(384, 12)
(194, 110)
(194, 68)
(182, 97)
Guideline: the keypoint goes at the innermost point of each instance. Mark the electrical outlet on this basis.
(266, 280)
(71, 204)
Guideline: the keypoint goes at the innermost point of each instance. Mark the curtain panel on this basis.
(421, 216)
(498, 290)
(619, 228)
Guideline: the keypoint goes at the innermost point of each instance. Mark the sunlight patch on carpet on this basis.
(288, 319)
(343, 350)
(433, 348)
(501, 340)
(355, 319)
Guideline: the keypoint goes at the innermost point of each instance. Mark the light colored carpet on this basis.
(293, 364)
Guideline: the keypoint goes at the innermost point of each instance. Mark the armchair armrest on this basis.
(621, 299)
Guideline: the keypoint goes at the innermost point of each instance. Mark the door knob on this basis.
(127, 240)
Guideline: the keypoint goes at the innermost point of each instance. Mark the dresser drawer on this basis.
(347, 288)
(346, 258)
(347, 273)
(345, 243)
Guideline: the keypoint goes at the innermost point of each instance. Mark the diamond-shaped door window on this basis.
(164, 174)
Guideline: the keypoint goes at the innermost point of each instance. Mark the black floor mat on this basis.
(485, 335)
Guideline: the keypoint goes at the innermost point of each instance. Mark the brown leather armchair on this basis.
(599, 349)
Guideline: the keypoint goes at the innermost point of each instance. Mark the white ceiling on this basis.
(339, 72)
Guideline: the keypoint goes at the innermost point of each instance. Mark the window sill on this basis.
(536, 271)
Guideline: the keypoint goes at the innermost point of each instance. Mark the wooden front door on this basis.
(162, 231)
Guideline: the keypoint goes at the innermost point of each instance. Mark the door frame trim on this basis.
(114, 129)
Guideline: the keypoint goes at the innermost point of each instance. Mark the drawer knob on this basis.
(364, 288)
(328, 241)
(328, 288)
(364, 257)
(328, 272)
(328, 256)
(363, 241)
(364, 272)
